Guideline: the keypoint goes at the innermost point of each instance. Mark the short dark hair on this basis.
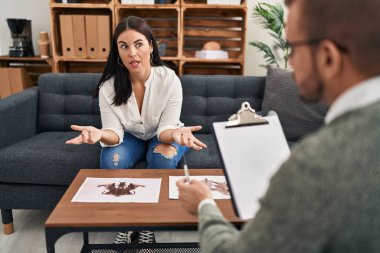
(352, 23)
(122, 84)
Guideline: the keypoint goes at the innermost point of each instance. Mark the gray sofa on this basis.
(36, 166)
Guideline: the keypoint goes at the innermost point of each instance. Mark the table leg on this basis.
(85, 238)
(52, 235)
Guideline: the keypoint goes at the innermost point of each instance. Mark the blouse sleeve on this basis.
(109, 120)
(170, 116)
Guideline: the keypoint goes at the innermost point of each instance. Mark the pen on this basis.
(186, 169)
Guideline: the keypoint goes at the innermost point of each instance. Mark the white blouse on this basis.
(160, 111)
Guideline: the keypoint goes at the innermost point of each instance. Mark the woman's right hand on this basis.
(89, 135)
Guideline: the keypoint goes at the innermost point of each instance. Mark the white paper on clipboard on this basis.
(251, 156)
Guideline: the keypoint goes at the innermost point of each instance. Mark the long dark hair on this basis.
(122, 84)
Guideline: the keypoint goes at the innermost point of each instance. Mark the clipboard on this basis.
(252, 149)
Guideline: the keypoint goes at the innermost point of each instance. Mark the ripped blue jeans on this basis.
(133, 150)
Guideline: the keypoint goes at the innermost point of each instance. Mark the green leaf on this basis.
(269, 57)
(271, 17)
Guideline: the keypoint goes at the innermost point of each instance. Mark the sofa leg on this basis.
(8, 229)
(7, 218)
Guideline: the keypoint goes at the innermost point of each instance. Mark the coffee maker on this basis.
(21, 32)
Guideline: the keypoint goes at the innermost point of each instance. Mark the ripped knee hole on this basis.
(115, 159)
(166, 150)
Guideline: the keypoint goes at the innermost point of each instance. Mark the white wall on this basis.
(35, 10)
(253, 59)
(38, 12)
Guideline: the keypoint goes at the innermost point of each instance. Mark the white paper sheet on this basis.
(124, 190)
(217, 185)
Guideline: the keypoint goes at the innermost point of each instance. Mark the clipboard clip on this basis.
(246, 116)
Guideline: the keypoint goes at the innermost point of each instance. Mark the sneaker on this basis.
(126, 237)
(146, 237)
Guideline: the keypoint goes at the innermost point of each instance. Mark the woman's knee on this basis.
(164, 156)
(166, 150)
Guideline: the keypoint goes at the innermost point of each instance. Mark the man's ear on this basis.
(329, 60)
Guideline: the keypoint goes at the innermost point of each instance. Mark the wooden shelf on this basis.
(118, 3)
(167, 58)
(36, 58)
(213, 6)
(200, 60)
(211, 68)
(204, 3)
(65, 59)
(147, 6)
(184, 26)
(82, 6)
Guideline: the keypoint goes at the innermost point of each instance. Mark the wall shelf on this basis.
(183, 25)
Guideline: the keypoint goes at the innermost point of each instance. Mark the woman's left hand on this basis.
(185, 137)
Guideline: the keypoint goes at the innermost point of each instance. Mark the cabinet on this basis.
(34, 66)
(180, 26)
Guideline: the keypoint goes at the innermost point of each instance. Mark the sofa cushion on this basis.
(297, 117)
(206, 158)
(46, 159)
(208, 99)
(66, 99)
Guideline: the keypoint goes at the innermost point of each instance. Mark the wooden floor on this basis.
(29, 235)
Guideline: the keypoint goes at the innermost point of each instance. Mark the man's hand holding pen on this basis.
(186, 169)
(192, 193)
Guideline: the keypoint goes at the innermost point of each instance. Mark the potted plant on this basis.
(271, 17)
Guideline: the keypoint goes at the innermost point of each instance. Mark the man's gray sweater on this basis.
(325, 198)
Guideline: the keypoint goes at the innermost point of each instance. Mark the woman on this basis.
(140, 103)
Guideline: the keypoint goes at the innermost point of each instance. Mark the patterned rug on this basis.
(142, 237)
(162, 250)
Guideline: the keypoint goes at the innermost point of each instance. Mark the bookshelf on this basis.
(182, 26)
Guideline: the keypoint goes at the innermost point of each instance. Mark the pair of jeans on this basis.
(133, 150)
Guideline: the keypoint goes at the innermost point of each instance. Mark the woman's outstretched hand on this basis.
(185, 137)
(89, 135)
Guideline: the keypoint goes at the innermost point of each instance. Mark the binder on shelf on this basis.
(67, 35)
(104, 35)
(92, 35)
(5, 83)
(79, 30)
(252, 150)
(19, 79)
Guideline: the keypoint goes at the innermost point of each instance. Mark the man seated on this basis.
(325, 197)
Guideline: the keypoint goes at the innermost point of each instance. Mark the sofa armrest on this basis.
(18, 116)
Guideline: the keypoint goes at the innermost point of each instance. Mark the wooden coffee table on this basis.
(166, 215)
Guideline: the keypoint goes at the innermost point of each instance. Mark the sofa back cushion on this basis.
(67, 99)
(298, 118)
(208, 99)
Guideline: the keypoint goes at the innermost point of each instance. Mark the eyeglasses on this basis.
(287, 49)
